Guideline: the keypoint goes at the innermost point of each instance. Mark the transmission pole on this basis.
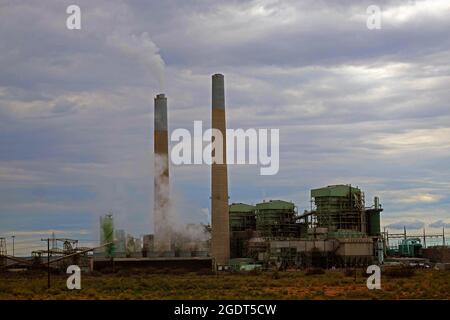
(13, 243)
(48, 261)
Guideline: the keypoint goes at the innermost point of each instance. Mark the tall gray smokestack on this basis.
(161, 176)
(220, 238)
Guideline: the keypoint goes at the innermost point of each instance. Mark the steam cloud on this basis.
(142, 49)
(163, 213)
(170, 231)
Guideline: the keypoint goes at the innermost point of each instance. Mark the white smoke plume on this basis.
(162, 211)
(171, 230)
(142, 49)
(187, 236)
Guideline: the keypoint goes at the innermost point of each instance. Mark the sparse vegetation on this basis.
(399, 272)
(324, 284)
(314, 271)
(350, 272)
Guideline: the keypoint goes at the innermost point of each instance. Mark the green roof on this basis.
(340, 190)
(275, 204)
(240, 207)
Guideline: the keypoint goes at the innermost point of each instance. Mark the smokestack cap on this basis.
(218, 91)
(160, 112)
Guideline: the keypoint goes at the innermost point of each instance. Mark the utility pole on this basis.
(387, 238)
(13, 243)
(48, 261)
(424, 239)
(443, 236)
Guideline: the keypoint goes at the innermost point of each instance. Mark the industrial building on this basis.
(338, 231)
(117, 251)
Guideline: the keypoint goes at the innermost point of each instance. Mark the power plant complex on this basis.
(339, 229)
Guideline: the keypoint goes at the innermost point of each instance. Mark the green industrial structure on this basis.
(276, 218)
(338, 207)
(242, 222)
(107, 234)
(338, 230)
(410, 247)
(242, 217)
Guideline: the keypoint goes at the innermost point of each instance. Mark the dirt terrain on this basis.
(133, 284)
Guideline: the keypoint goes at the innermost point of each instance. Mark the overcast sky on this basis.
(353, 105)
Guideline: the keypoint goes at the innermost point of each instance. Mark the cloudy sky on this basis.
(353, 105)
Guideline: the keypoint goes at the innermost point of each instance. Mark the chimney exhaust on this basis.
(161, 177)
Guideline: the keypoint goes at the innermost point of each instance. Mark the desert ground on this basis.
(311, 284)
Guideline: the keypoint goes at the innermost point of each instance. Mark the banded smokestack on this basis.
(220, 234)
(161, 176)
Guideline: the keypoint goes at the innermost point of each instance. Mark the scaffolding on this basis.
(242, 227)
(3, 250)
(242, 217)
(339, 207)
(62, 248)
(277, 219)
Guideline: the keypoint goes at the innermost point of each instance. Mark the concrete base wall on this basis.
(355, 247)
